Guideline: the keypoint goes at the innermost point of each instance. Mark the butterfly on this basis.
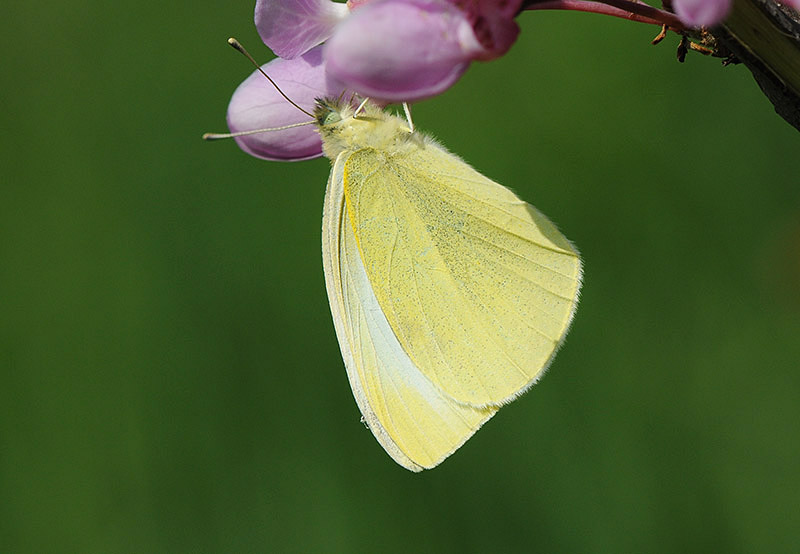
(449, 294)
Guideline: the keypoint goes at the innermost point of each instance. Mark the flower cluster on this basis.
(393, 51)
(388, 50)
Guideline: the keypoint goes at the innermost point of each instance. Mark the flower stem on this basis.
(626, 9)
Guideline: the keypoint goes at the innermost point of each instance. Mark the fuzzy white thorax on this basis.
(372, 128)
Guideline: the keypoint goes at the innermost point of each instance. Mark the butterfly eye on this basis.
(331, 117)
(327, 112)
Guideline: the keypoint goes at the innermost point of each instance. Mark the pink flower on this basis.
(257, 105)
(389, 50)
(701, 13)
(292, 27)
(402, 50)
(394, 50)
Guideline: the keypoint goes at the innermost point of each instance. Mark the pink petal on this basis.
(791, 3)
(257, 105)
(701, 13)
(493, 23)
(292, 27)
(402, 50)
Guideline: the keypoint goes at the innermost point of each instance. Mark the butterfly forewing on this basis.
(416, 422)
(477, 286)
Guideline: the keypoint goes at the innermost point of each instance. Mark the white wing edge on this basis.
(331, 225)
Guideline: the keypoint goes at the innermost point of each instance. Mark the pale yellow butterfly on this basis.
(449, 294)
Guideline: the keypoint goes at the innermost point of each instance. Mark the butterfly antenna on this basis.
(407, 109)
(217, 136)
(241, 49)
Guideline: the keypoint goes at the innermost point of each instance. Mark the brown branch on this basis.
(765, 36)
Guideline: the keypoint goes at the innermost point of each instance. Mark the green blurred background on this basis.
(169, 376)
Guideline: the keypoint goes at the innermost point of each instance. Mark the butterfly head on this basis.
(344, 128)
